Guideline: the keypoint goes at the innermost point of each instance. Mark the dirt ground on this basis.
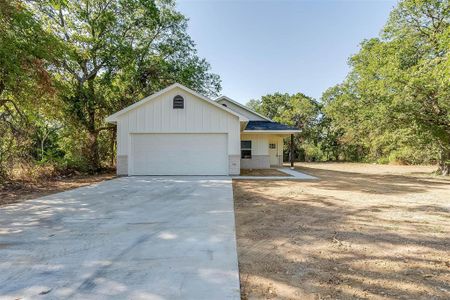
(359, 232)
(12, 193)
(263, 172)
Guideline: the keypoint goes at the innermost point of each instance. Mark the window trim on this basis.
(247, 149)
(178, 102)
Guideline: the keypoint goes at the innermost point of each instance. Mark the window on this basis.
(178, 102)
(224, 104)
(272, 146)
(246, 149)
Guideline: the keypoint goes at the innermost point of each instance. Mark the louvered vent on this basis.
(178, 102)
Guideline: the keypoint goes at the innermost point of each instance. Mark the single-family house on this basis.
(177, 131)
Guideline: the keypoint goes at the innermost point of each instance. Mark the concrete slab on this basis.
(128, 238)
(294, 175)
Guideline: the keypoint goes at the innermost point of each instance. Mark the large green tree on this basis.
(117, 52)
(26, 51)
(395, 103)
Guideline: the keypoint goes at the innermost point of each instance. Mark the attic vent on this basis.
(178, 102)
(224, 104)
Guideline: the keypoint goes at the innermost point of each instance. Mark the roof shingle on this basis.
(267, 125)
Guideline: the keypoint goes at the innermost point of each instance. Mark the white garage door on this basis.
(179, 154)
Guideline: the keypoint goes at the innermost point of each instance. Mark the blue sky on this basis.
(262, 47)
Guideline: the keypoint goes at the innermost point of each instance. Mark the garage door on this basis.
(179, 154)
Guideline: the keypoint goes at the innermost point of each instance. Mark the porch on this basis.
(262, 150)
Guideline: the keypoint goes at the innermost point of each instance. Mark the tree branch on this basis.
(3, 102)
(105, 128)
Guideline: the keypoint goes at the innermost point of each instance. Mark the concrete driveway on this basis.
(127, 238)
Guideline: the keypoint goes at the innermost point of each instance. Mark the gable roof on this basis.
(113, 118)
(242, 106)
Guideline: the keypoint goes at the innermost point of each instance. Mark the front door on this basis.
(273, 154)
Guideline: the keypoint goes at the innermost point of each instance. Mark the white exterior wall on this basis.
(260, 143)
(275, 139)
(241, 111)
(260, 150)
(158, 116)
(278, 140)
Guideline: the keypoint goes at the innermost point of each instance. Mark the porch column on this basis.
(291, 152)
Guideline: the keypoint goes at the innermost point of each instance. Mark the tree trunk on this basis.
(444, 162)
(42, 149)
(93, 156)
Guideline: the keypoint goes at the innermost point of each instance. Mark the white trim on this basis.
(113, 118)
(242, 106)
(272, 131)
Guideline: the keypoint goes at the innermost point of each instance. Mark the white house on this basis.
(177, 131)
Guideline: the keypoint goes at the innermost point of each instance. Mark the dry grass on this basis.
(30, 173)
(360, 232)
(263, 172)
(373, 169)
(24, 189)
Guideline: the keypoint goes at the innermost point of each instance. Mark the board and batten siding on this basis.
(260, 143)
(159, 116)
(260, 150)
(278, 140)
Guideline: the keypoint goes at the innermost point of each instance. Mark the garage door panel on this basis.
(179, 154)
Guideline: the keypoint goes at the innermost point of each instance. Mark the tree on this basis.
(118, 52)
(422, 31)
(297, 110)
(394, 104)
(25, 84)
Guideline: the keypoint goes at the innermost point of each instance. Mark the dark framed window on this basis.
(178, 102)
(272, 146)
(246, 149)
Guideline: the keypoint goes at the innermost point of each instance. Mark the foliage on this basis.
(26, 52)
(296, 110)
(395, 103)
(65, 65)
(117, 53)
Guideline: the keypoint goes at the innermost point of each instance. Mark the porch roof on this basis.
(269, 126)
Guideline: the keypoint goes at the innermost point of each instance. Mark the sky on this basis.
(262, 47)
